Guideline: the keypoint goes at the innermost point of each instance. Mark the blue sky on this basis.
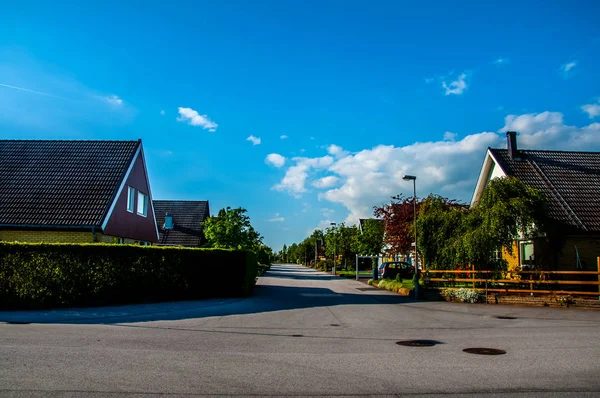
(361, 92)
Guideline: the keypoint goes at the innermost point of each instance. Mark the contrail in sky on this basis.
(30, 91)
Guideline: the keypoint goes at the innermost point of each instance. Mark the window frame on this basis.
(130, 200)
(522, 260)
(144, 199)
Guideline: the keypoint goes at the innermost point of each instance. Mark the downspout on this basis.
(94, 239)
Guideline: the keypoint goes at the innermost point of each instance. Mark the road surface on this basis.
(304, 333)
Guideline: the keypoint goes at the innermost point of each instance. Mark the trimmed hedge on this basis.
(46, 275)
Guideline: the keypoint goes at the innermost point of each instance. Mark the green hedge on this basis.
(46, 275)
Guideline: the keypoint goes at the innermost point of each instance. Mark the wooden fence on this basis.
(532, 282)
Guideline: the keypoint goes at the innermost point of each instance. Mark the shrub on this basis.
(325, 265)
(44, 275)
(463, 295)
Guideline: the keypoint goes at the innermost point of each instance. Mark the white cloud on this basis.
(500, 61)
(114, 100)
(162, 112)
(457, 86)
(275, 159)
(566, 68)
(326, 182)
(336, 150)
(447, 167)
(592, 110)
(327, 213)
(449, 136)
(277, 218)
(254, 140)
(193, 118)
(295, 177)
(283, 137)
(323, 225)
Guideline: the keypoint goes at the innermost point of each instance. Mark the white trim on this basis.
(482, 181)
(114, 203)
(150, 194)
(128, 202)
(144, 197)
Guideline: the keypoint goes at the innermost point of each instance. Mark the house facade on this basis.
(180, 222)
(75, 191)
(570, 182)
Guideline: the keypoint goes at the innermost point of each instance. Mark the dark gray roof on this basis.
(60, 183)
(188, 216)
(570, 181)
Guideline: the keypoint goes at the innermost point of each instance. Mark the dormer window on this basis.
(168, 221)
(142, 204)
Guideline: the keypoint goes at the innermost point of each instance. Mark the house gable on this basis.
(491, 169)
(119, 222)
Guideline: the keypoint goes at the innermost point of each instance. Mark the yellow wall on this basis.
(55, 236)
(512, 260)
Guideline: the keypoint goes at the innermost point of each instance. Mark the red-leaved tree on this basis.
(399, 217)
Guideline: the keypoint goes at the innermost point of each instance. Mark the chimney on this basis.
(511, 145)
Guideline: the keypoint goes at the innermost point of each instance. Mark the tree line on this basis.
(450, 233)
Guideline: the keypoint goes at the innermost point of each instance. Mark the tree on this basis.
(440, 224)
(339, 241)
(452, 234)
(398, 217)
(370, 241)
(231, 229)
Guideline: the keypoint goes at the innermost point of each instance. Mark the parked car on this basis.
(401, 268)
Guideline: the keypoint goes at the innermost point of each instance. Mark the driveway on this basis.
(303, 333)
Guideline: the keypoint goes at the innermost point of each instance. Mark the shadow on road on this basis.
(275, 292)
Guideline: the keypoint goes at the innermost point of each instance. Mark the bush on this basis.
(45, 275)
(325, 265)
(463, 295)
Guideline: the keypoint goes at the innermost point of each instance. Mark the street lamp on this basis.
(334, 248)
(414, 180)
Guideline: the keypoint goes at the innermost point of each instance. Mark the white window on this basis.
(130, 199)
(526, 254)
(497, 254)
(142, 205)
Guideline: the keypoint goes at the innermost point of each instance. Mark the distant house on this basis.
(571, 184)
(180, 221)
(75, 191)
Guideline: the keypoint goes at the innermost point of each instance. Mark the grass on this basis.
(351, 274)
(392, 285)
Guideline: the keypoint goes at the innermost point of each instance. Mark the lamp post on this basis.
(414, 180)
(334, 242)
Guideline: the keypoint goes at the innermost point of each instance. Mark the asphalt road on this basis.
(304, 333)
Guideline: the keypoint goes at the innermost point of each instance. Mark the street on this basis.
(303, 333)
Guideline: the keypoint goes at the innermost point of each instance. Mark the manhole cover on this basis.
(506, 317)
(365, 289)
(18, 323)
(334, 324)
(484, 351)
(417, 343)
(297, 335)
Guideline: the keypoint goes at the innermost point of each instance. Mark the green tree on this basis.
(339, 241)
(370, 241)
(231, 229)
(450, 234)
